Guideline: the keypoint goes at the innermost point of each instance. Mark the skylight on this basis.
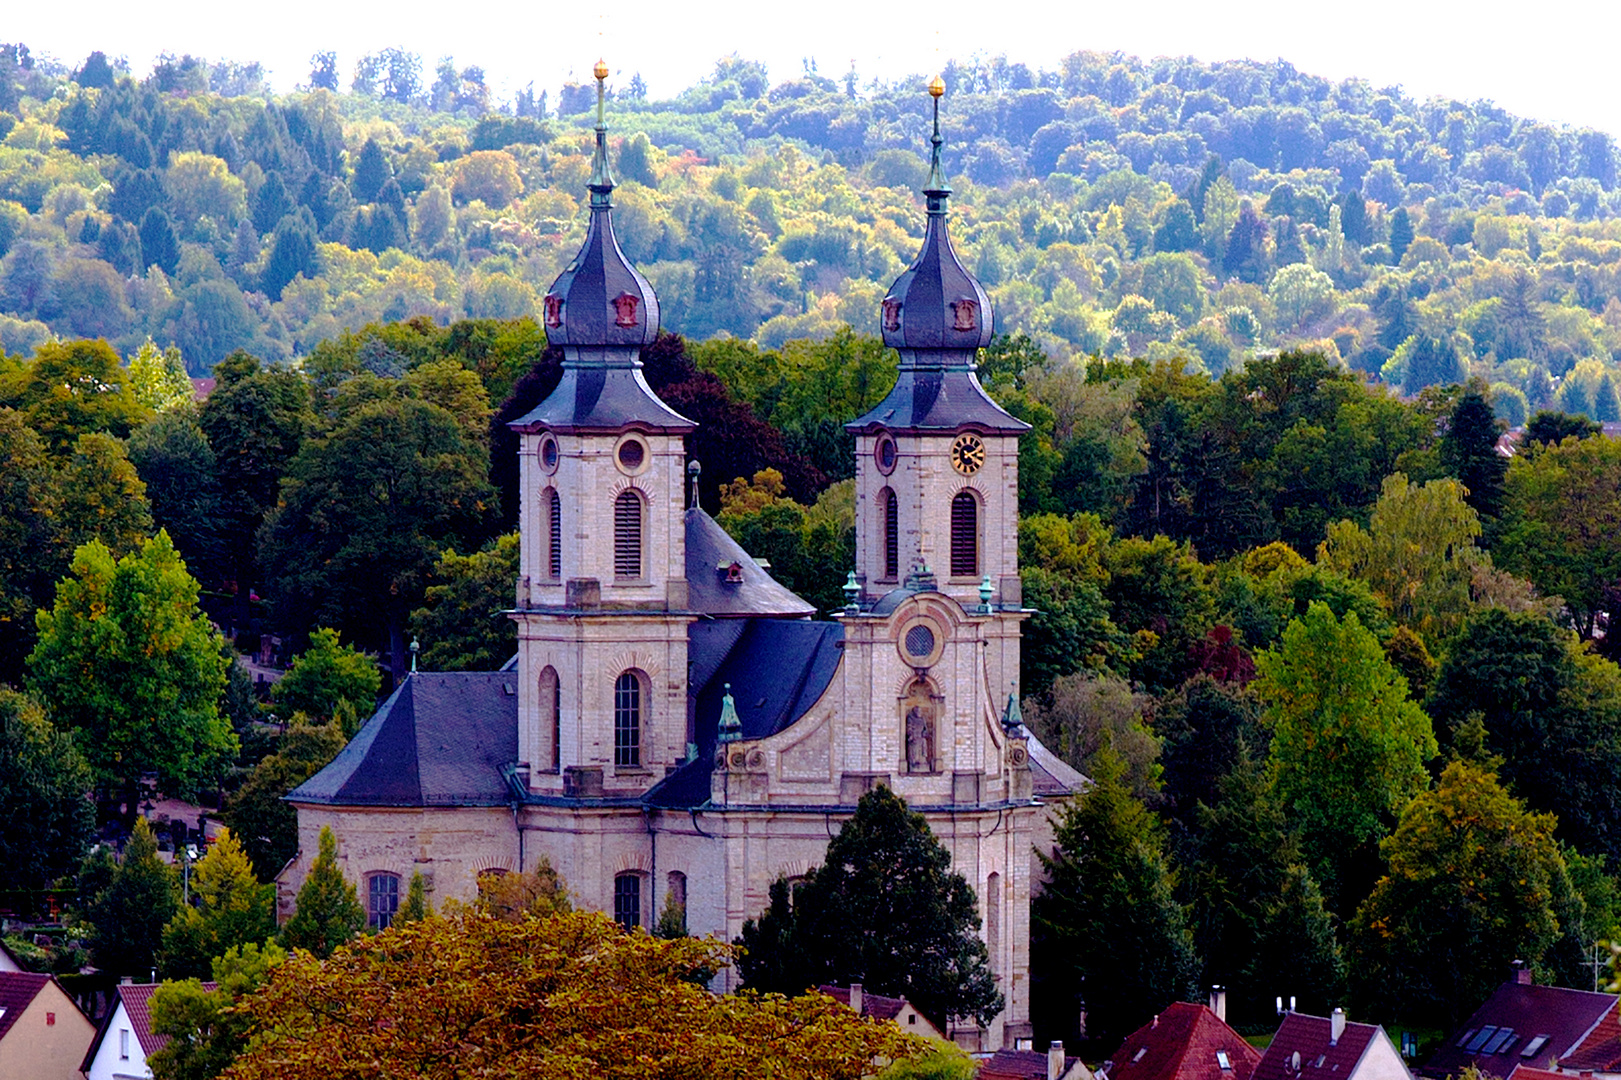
(1221, 1059)
(1138, 1056)
(1480, 1038)
(1498, 1041)
(1534, 1045)
(1465, 1037)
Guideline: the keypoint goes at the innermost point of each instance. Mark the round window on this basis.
(884, 453)
(548, 454)
(631, 455)
(919, 641)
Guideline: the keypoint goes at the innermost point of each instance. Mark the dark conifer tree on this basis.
(372, 171)
(158, 244)
(271, 203)
(1469, 452)
(1401, 233)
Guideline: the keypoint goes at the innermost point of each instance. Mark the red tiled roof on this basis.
(1308, 1036)
(1181, 1044)
(1561, 1017)
(136, 999)
(18, 989)
(1526, 1072)
(1600, 1051)
(1018, 1065)
(875, 1005)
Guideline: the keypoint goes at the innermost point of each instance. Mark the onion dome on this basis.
(601, 301)
(601, 312)
(936, 306)
(938, 317)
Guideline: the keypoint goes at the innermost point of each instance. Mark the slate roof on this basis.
(937, 399)
(1021, 1065)
(441, 739)
(602, 398)
(710, 549)
(1181, 1043)
(1309, 1037)
(18, 989)
(137, 1001)
(1051, 775)
(1562, 1018)
(874, 1005)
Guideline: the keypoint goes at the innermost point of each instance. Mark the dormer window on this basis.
(734, 573)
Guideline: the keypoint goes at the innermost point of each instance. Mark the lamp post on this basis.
(185, 873)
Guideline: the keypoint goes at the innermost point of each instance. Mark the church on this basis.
(677, 724)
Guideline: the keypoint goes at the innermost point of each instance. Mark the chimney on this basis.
(1519, 973)
(1336, 1027)
(855, 998)
(1055, 1060)
(1218, 1002)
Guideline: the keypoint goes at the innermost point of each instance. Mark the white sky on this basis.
(1555, 63)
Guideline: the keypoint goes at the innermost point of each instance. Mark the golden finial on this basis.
(937, 86)
(601, 70)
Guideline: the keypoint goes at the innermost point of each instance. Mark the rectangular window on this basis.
(892, 535)
(628, 535)
(557, 726)
(964, 535)
(628, 901)
(554, 523)
(383, 900)
(628, 721)
(123, 1043)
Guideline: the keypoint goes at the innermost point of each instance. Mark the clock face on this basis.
(967, 453)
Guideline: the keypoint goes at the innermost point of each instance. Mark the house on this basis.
(1525, 1024)
(8, 959)
(1599, 1053)
(1185, 1042)
(895, 1009)
(125, 1039)
(42, 1032)
(677, 723)
(1033, 1065)
(1330, 1048)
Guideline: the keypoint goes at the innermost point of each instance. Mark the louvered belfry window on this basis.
(892, 534)
(628, 535)
(964, 535)
(628, 720)
(554, 524)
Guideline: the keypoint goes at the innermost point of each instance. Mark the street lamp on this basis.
(185, 867)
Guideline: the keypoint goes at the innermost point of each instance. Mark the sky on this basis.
(1554, 64)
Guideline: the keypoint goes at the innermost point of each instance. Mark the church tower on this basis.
(602, 595)
(937, 464)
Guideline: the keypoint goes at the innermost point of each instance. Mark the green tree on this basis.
(1401, 233)
(172, 457)
(1552, 428)
(205, 1033)
(1473, 883)
(46, 818)
(415, 907)
(127, 914)
(367, 511)
(1564, 504)
(463, 624)
(262, 819)
(75, 387)
(1108, 934)
(159, 245)
(325, 676)
(885, 910)
(231, 909)
(372, 171)
(158, 378)
(153, 705)
(1348, 746)
(1469, 452)
(327, 913)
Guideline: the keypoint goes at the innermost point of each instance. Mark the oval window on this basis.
(884, 454)
(548, 454)
(631, 455)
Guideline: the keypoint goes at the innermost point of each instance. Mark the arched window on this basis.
(628, 900)
(964, 534)
(382, 900)
(554, 533)
(892, 533)
(628, 720)
(551, 707)
(993, 918)
(628, 534)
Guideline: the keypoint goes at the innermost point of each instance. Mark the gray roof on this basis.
(441, 739)
(603, 397)
(937, 399)
(924, 299)
(710, 553)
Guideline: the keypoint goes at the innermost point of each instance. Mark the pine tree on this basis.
(1354, 218)
(372, 171)
(1606, 402)
(292, 252)
(328, 912)
(415, 908)
(1469, 452)
(1109, 936)
(128, 915)
(231, 910)
(1574, 398)
(1401, 233)
(158, 244)
(272, 203)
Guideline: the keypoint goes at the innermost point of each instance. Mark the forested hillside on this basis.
(1114, 207)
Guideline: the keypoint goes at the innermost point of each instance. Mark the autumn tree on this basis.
(327, 912)
(1108, 935)
(567, 995)
(1348, 745)
(1474, 881)
(153, 706)
(231, 910)
(537, 893)
(127, 914)
(886, 910)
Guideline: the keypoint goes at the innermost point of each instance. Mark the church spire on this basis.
(602, 181)
(935, 187)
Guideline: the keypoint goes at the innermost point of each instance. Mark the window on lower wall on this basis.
(382, 900)
(628, 900)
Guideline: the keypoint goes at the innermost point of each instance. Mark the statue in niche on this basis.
(919, 712)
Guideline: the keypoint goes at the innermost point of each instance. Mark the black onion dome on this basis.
(936, 304)
(601, 300)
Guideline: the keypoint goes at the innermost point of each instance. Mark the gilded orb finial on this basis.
(601, 70)
(937, 86)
